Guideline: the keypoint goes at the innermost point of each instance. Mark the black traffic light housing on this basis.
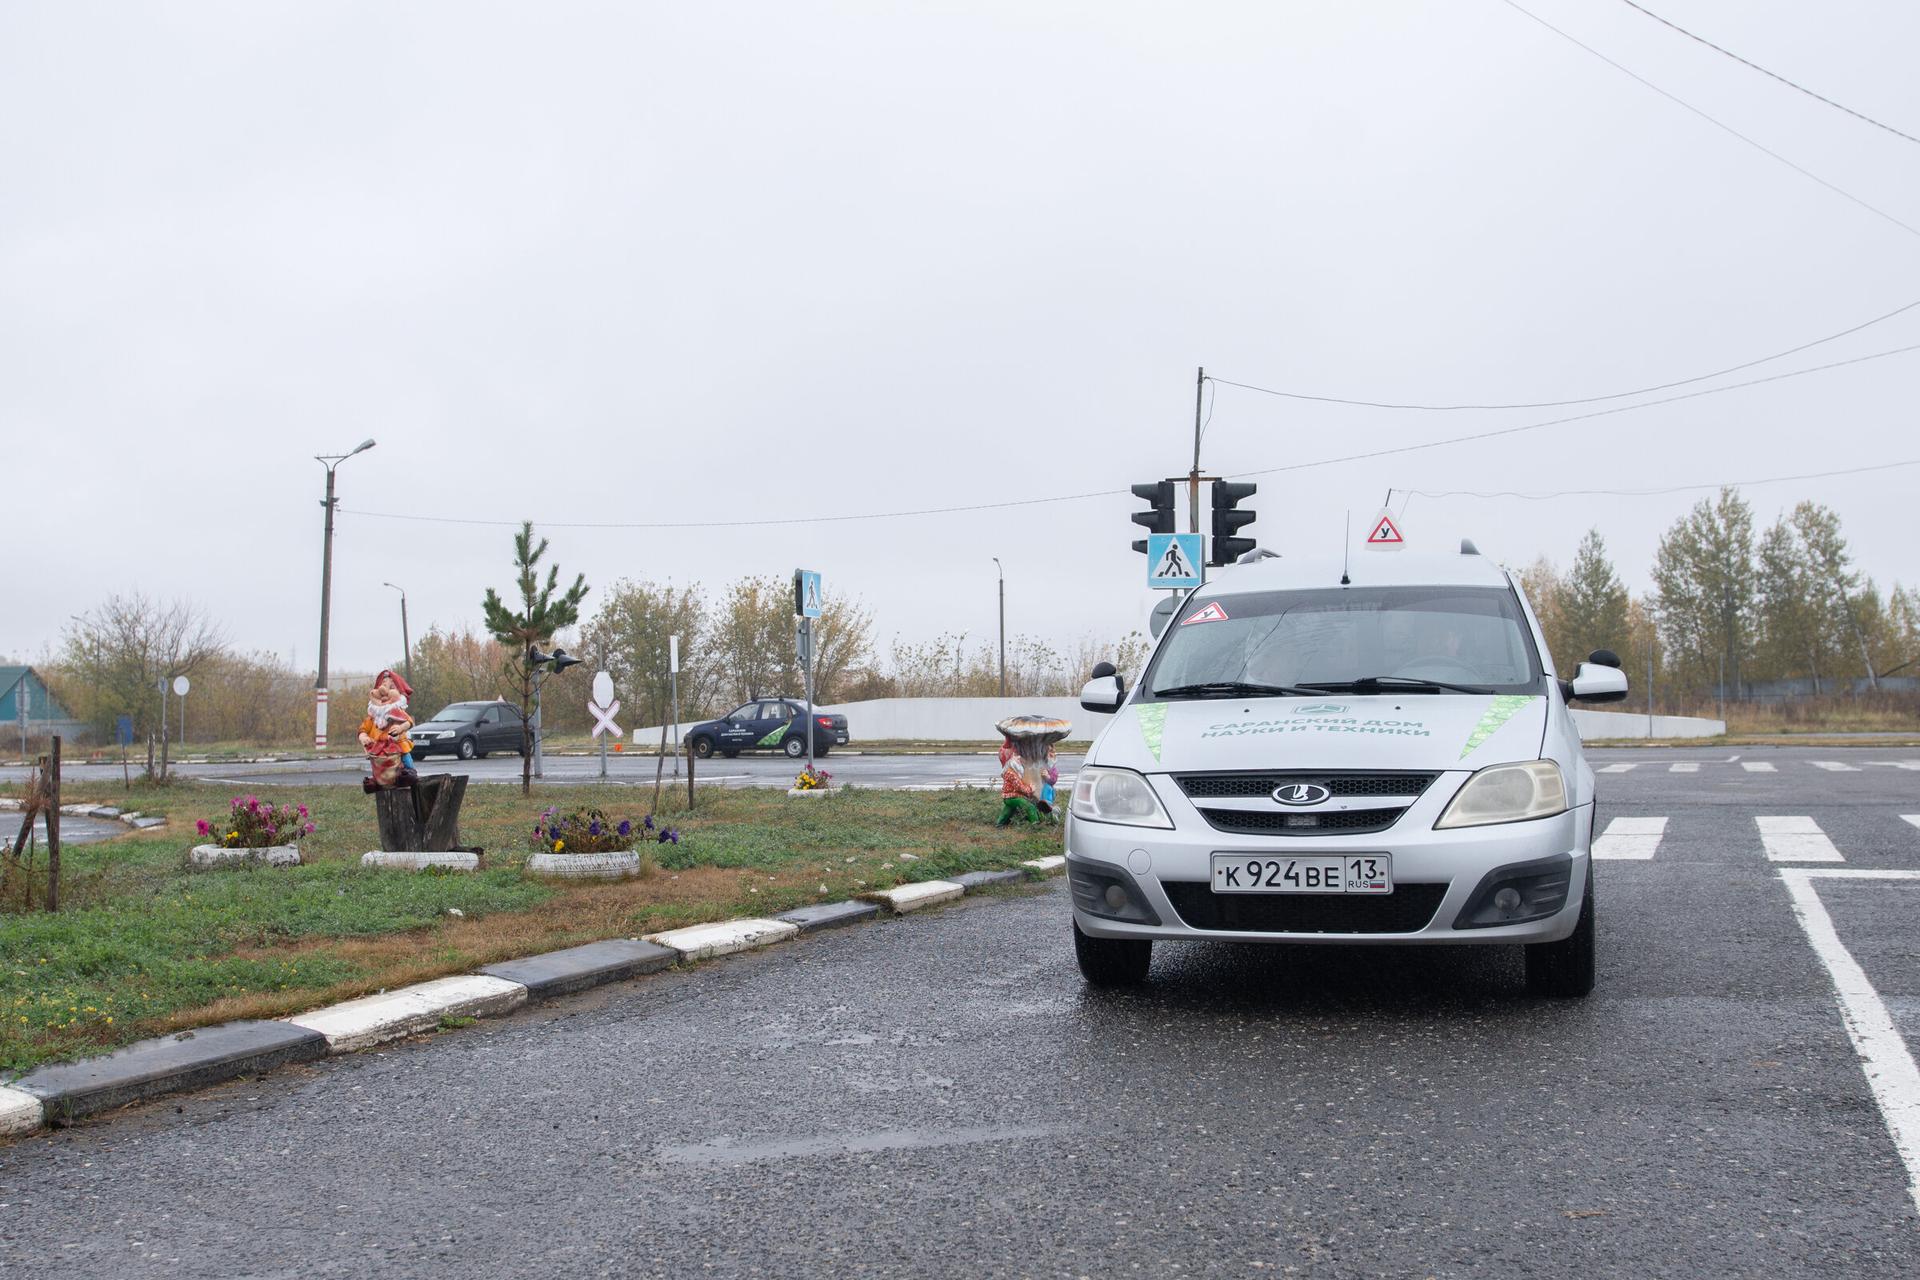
(1158, 517)
(1224, 548)
(559, 658)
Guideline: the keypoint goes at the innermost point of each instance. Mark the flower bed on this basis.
(587, 844)
(253, 833)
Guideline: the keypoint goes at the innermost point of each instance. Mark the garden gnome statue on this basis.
(1027, 770)
(383, 735)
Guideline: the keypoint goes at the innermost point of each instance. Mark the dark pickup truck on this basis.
(767, 724)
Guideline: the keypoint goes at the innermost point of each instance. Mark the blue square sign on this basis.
(1174, 559)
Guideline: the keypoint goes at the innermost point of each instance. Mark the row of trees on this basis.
(1727, 609)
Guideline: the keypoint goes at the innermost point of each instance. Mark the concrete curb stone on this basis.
(1052, 865)
(972, 880)
(19, 1112)
(559, 973)
(409, 1011)
(912, 897)
(148, 1068)
(829, 915)
(704, 941)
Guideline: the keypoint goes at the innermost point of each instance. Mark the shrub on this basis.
(252, 825)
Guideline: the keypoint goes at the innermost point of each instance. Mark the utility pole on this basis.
(1193, 476)
(1003, 624)
(406, 645)
(329, 461)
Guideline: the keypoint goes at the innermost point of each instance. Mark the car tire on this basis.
(821, 750)
(468, 749)
(1112, 962)
(731, 753)
(1564, 970)
(795, 746)
(701, 746)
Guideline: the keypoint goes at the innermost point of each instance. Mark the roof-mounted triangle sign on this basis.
(1385, 535)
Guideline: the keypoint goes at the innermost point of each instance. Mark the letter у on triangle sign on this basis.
(1385, 533)
(1174, 559)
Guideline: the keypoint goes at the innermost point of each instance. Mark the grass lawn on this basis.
(143, 945)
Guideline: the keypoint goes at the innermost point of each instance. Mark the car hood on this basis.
(1394, 731)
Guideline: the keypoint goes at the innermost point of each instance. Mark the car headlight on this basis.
(1507, 793)
(1117, 795)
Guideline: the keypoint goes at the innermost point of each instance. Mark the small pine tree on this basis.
(541, 615)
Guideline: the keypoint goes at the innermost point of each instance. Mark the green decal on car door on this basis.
(773, 739)
(1502, 709)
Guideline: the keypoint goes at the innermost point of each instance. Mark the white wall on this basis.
(972, 720)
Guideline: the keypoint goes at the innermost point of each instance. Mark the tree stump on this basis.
(423, 818)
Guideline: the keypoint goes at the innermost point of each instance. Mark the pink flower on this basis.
(309, 828)
(203, 827)
(302, 808)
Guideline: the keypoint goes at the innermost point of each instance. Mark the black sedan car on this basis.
(767, 724)
(470, 730)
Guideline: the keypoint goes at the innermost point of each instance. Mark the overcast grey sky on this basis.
(700, 263)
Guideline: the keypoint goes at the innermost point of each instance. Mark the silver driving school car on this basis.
(1370, 754)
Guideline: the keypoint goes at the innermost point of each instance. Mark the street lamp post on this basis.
(406, 645)
(329, 461)
(1003, 624)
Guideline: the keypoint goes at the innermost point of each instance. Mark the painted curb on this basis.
(409, 1011)
(1052, 865)
(829, 915)
(912, 897)
(19, 1112)
(149, 1068)
(584, 866)
(559, 973)
(705, 941)
(981, 879)
(213, 855)
(420, 861)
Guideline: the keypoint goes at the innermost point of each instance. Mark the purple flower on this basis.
(649, 822)
(625, 828)
(593, 828)
(669, 836)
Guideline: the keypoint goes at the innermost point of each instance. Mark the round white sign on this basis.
(181, 685)
(602, 688)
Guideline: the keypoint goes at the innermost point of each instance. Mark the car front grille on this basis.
(1407, 909)
(1283, 821)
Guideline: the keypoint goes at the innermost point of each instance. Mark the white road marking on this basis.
(1796, 840)
(1894, 764)
(1914, 818)
(1620, 768)
(1630, 839)
(1891, 1073)
(1834, 766)
(1685, 766)
(1758, 766)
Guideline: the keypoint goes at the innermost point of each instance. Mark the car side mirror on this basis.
(1103, 693)
(1104, 669)
(1604, 658)
(1597, 682)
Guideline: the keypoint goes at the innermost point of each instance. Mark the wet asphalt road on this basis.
(939, 1095)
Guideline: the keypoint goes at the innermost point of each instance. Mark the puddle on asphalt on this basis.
(725, 1151)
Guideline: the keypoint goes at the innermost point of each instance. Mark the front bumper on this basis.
(1445, 867)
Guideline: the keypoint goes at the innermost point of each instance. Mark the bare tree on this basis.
(116, 658)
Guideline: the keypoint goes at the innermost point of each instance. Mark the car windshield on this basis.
(460, 713)
(1470, 639)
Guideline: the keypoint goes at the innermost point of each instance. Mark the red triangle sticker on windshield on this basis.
(1212, 613)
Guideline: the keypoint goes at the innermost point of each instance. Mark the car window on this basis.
(458, 714)
(1470, 635)
(749, 712)
(775, 711)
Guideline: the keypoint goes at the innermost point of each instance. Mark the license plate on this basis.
(1355, 873)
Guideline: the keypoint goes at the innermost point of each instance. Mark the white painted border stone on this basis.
(420, 861)
(213, 855)
(912, 897)
(19, 1112)
(811, 791)
(585, 866)
(393, 1015)
(1052, 865)
(704, 941)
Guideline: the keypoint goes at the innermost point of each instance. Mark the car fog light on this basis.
(1117, 897)
(1507, 901)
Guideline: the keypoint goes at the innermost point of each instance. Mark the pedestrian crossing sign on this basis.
(1174, 559)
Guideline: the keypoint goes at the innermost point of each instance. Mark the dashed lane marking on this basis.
(1758, 766)
(1834, 766)
(1914, 818)
(1685, 766)
(1893, 764)
(1891, 1073)
(1630, 839)
(1795, 839)
(1619, 768)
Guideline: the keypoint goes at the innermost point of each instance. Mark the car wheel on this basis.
(1565, 969)
(468, 749)
(702, 747)
(795, 746)
(731, 753)
(1112, 962)
(821, 749)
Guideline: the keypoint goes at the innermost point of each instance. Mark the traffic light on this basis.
(1158, 518)
(1228, 520)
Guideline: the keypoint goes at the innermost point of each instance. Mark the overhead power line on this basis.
(1647, 493)
(1562, 404)
(1772, 75)
(1716, 122)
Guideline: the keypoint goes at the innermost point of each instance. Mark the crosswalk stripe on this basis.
(1834, 766)
(1619, 768)
(1685, 766)
(1795, 839)
(1914, 818)
(1758, 766)
(1630, 839)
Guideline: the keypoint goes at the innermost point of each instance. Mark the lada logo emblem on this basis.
(1301, 793)
(1320, 708)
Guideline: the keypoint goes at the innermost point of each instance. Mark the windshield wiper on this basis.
(1236, 689)
(1394, 682)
